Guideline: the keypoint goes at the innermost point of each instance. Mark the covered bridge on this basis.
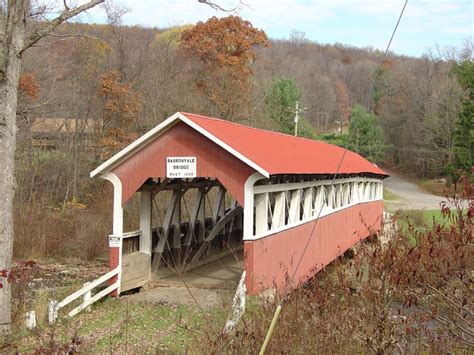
(222, 187)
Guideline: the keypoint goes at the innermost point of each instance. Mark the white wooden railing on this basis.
(132, 234)
(86, 293)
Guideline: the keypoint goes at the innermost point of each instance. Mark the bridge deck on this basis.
(223, 273)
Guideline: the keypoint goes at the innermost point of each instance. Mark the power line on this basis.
(292, 279)
(395, 29)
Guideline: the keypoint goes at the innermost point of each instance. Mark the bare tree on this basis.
(14, 40)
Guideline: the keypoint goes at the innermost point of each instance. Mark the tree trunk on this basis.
(12, 44)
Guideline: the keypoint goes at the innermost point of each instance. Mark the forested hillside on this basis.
(86, 96)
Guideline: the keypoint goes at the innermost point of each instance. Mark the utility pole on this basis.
(297, 112)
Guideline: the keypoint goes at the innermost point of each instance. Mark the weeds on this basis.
(395, 298)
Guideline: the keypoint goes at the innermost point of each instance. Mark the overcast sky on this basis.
(355, 22)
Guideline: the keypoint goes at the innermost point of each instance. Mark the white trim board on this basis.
(138, 143)
(260, 189)
(220, 143)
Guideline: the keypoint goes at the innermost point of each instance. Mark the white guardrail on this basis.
(86, 293)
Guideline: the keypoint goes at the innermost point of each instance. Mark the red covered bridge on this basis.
(222, 187)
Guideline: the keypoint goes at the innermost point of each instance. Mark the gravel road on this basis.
(410, 196)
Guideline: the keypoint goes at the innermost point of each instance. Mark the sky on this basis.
(359, 23)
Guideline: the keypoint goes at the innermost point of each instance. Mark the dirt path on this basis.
(209, 285)
(173, 295)
(410, 196)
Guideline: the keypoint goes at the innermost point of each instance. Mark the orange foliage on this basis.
(387, 64)
(28, 85)
(346, 59)
(227, 48)
(114, 140)
(122, 104)
(225, 42)
(121, 108)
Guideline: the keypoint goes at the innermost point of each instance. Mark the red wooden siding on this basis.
(114, 255)
(269, 259)
(182, 140)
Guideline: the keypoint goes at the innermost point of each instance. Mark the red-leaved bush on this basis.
(413, 294)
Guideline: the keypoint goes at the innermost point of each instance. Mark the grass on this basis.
(118, 325)
(438, 186)
(389, 196)
(421, 221)
(423, 218)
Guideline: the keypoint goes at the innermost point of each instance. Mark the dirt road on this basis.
(410, 196)
(209, 285)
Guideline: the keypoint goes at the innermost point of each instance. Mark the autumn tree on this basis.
(23, 24)
(171, 38)
(226, 49)
(342, 103)
(121, 106)
(28, 85)
(15, 39)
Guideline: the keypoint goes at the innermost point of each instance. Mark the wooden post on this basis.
(87, 296)
(279, 212)
(145, 222)
(261, 213)
(249, 204)
(295, 206)
(308, 203)
(31, 320)
(52, 312)
(115, 255)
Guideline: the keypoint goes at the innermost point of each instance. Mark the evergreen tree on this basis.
(280, 101)
(463, 139)
(366, 136)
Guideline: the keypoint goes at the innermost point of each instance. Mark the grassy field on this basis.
(438, 187)
(118, 325)
(421, 220)
(389, 196)
(424, 218)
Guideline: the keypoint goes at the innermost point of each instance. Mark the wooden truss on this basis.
(197, 220)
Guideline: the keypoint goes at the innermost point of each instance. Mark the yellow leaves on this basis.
(91, 53)
(95, 47)
(172, 36)
(74, 204)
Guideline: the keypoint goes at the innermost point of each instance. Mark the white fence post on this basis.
(52, 311)
(31, 320)
(87, 296)
(238, 306)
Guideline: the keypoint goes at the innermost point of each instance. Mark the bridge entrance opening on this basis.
(196, 233)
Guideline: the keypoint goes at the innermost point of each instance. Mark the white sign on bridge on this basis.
(181, 167)
(115, 241)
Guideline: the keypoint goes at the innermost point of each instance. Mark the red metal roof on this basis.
(279, 153)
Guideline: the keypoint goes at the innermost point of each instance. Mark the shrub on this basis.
(394, 298)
